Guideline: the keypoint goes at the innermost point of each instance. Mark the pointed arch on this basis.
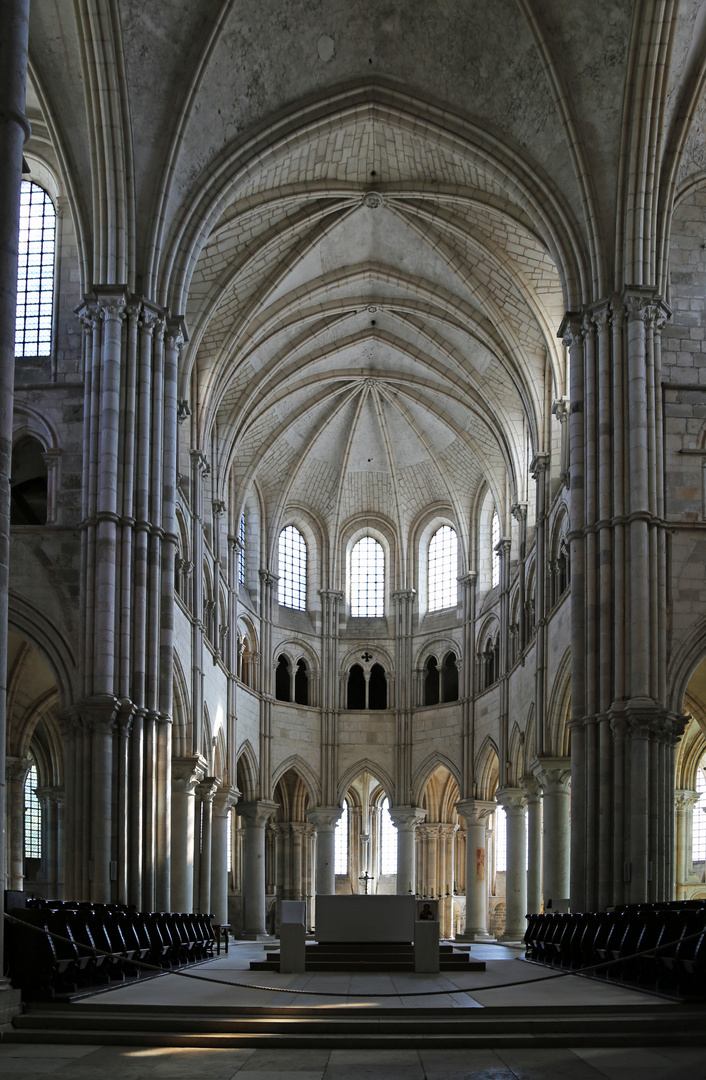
(426, 769)
(247, 772)
(365, 765)
(296, 763)
(486, 769)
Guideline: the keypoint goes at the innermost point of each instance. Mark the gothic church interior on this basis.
(358, 476)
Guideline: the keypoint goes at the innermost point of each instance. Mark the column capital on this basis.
(469, 580)
(684, 798)
(325, 818)
(219, 507)
(224, 799)
(16, 769)
(112, 302)
(552, 773)
(512, 799)
(187, 772)
(267, 578)
(644, 718)
(560, 409)
(256, 814)
(51, 796)
(406, 818)
(519, 512)
(183, 410)
(207, 788)
(333, 596)
(403, 596)
(532, 788)
(176, 335)
(571, 329)
(475, 811)
(539, 465)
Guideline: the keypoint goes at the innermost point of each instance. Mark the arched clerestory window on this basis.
(442, 569)
(35, 272)
(367, 585)
(291, 588)
(33, 816)
(241, 550)
(494, 554)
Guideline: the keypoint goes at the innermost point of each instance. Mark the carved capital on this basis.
(403, 596)
(406, 818)
(224, 800)
(111, 304)
(553, 773)
(187, 772)
(324, 818)
(571, 330)
(256, 814)
(183, 410)
(207, 788)
(513, 800)
(539, 465)
(16, 769)
(683, 799)
(560, 409)
(475, 811)
(267, 578)
(219, 507)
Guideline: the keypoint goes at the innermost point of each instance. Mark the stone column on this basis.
(325, 819)
(475, 813)
(186, 774)
(514, 802)
(405, 819)
(684, 803)
(255, 816)
(14, 129)
(16, 770)
(429, 835)
(224, 800)
(533, 792)
(207, 791)
(554, 776)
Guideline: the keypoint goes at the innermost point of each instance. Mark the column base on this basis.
(474, 935)
(513, 937)
(10, 1002)
(247, 936)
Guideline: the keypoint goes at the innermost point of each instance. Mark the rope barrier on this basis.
(473, 990)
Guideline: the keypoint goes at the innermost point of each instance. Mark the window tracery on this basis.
(367, 582)
(291, 587)
(441, 568)
(35, 272)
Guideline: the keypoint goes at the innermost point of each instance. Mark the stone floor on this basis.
(30, 1061)
(165, 1063)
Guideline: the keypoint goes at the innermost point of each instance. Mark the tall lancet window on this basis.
(494, 556)
(340, 842)
(33, 816)
(291, 589)
(388, 841)
(367, 579)
(35, 272)
(698, 835)
(241, 552)
(443, 585)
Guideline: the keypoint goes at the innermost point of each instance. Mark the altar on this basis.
(365, 918)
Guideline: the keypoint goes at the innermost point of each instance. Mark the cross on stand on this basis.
(365, 878)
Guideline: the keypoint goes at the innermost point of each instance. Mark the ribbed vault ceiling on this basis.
(366, 347)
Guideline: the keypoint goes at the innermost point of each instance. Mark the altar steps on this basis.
(368, 1027)
(370, 956)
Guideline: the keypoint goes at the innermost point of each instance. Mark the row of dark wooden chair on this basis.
(53, 951)
(607, 944)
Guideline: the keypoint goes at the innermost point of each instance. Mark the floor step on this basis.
(337, 1027)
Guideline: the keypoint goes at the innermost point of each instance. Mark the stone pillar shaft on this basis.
(255, 816)
(514, 801)
(325, 819)
(475, 813)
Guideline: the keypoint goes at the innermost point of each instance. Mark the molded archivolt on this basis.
(247, 773)
(295, 763)
(365, 766)
(556, 735)
(426, 770)
(486, 769)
